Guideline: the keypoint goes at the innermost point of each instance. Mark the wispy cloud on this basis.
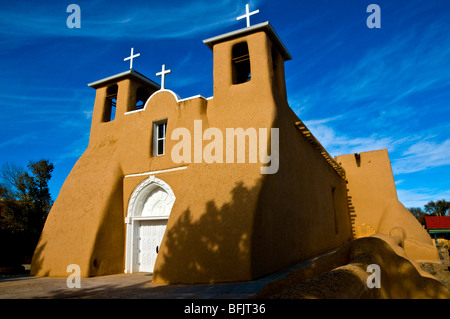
(111, 20)
(402, 67)
(341, 143)
(18, 140)
(378, 98)
(418, 197)
(74, 149)
(67, 107)
(421, 156)
(389, 74)
(412, 153)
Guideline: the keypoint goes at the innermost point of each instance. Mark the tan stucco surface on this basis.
(229, 222)
(344, 274)
(378, 211)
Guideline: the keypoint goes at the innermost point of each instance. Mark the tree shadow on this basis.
(106, 291)
(38, 260)
(138, 287)
(214, 247)
(146, 290)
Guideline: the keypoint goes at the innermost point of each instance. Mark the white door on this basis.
(151, 233)
(149, 209)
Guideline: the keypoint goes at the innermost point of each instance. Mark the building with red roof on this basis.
(439, 226)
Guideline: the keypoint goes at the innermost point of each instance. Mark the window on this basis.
(333, 197)
(142, 95)
(109, 112)
(241, 63)
(159, 137)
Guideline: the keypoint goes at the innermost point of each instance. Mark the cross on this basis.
(247, 15)
(163, 74)
(131, 57)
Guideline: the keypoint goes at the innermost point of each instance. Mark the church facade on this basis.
(129, 206)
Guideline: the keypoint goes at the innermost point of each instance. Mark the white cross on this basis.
(162, 74)
(247, 15)
(131, 57)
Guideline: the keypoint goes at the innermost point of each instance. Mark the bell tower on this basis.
(115, 96)
(249, 61)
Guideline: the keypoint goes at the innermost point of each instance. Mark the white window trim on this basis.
(133, 218)
(168, 170)
(156, 137)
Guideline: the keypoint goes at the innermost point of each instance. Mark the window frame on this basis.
(110, 107)
(142, 94)
(240, 62)
(156, 138)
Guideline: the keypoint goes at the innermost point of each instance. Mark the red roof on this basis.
(437, 222)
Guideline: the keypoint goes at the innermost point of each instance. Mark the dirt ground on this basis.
(440, 270)
(342, 275)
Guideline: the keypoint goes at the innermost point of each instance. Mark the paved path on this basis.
(123, 286)
(130, 286)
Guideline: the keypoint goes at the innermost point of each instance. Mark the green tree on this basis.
(25, 202)
(419, 214)
(437, 208)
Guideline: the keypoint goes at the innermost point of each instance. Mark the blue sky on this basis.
(357, 89)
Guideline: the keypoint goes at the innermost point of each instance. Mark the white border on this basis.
(158, 172)
(176, 96)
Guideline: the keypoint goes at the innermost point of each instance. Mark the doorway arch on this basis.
(148, 211)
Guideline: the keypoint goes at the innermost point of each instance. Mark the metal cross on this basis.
(162, 74)
(247, 15)
(131, 57)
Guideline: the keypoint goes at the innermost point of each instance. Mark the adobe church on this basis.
(126, 206)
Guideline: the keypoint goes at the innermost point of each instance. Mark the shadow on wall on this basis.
(108, 252)
(218, 238)
(38, 260)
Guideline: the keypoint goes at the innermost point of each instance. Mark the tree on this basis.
(419, 214)
(438, 208)
(9, 173)
(25, 203)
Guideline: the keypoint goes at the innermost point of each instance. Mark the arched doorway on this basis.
(149, 208)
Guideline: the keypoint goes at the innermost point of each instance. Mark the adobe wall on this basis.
(302, 210)
(229, 222)
(212, 222)
(344, 274)
(244, 224)
(378, 210)
(88, 199)
(86, 223)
